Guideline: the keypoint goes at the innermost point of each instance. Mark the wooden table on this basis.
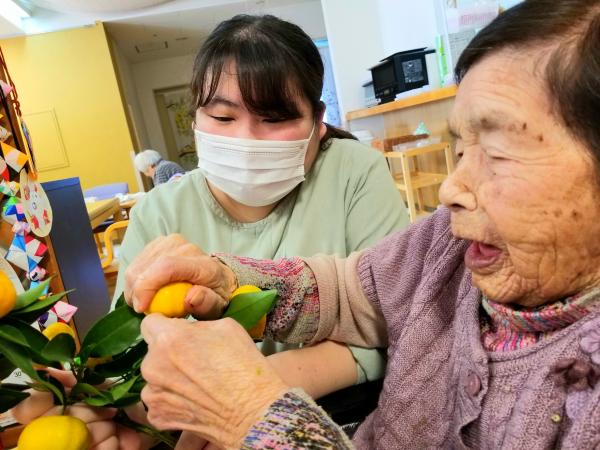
(127, 205)
(101, 210)
(10, 435)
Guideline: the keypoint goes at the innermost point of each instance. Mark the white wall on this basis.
(362, 32)
(151, 75)
(406, 24)
(355, 43)
(128, 91)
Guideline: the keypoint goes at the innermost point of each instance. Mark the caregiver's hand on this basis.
(171, 258)
(105, 434)
(205, 377)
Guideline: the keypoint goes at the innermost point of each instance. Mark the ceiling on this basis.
(8, 28)
(159, 36)
(155, 29)
(92, 6)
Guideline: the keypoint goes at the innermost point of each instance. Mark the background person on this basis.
(151, 164)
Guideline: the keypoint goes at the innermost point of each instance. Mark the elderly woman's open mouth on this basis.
(480, 255)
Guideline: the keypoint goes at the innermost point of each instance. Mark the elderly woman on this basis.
(490, 308)
(151, 164)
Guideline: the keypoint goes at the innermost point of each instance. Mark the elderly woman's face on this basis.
(524, 191)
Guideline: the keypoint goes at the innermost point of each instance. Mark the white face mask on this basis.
(252, 172)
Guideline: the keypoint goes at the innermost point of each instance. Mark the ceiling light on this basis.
(13, 12)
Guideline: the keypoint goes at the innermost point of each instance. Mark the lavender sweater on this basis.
(413, 294)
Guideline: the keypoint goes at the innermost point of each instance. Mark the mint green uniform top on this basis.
(347, 202)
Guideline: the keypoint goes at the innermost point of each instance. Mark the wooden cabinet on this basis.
(71, 257)
(10, 121)
(402, 117)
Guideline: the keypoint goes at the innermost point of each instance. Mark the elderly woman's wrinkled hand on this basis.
(205, 377)
(171, 258)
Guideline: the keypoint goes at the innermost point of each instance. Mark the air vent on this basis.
(151, 46)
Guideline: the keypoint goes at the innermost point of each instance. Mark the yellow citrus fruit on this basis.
(58, 328)
(257, 331)
(8, 295)
(245, 289)
(169, 300)
(55, 433)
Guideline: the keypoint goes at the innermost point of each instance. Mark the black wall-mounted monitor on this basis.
(400, 72)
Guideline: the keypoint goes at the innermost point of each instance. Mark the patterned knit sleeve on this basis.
(295, 317)
(295, 422)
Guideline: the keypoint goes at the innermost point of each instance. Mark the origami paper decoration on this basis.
(13, 157)
(6, 88)
(64, 311)
(21, 228)
(60, 312)
(37, 274)
(13, 210)
(4, 170)
(17, 255)
(26, 252)
(9, 188)
(4, 134)
(37, 208)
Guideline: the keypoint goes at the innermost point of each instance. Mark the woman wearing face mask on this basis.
(273, 179)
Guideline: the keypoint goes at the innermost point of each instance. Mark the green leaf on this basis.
(35, 310)
(35, 339)
(44, 382)
(14, 386)
(127, 400)
(19, 356)
(113, 334)
(59, 389)
(119, 396)
(124, 362)
(97, 401)
(6, 367)
(121, 301)
(120, 389)
(91, 377)
(12, 334)
(30, 296)
(60, 349)
(10, 398)
(87, 389)
(138, 386)
(247, 309)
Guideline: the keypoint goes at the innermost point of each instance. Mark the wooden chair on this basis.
(110, 265)
(410, 182)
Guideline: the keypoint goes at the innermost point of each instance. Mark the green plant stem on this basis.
(165, 437)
